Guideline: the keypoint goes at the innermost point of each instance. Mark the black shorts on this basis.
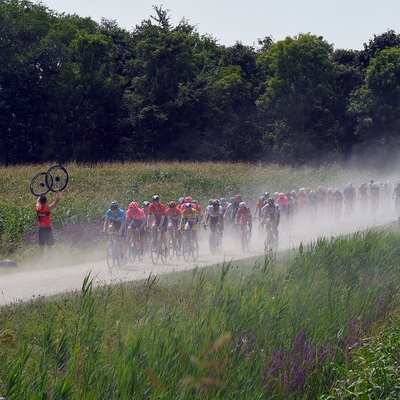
(46, 236)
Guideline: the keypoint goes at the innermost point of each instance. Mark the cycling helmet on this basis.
(302, 190)
(215, 202)
(114, 205)
(242, 204)
(172, 204)
(281, 195)
(188, 199)
(337, 190)
(133, 206)
(271, 200)
(276, 194)
(261, 199)
(145, 204)
(293, 193)
(155, 198)
(223, 200)
(195, 202)
(188, 205)
(329, 190)
(238, 197)
(232, 199)
(181, 199)
(210, 202)
(266, 194)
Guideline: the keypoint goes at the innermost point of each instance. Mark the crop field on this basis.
(318, 322)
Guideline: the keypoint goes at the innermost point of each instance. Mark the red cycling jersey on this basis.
(43, 216)
(158, 211)
(244, 215)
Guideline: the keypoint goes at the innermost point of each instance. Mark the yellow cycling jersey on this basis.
(189, 213)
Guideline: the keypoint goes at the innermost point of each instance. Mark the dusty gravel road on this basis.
(31, 281)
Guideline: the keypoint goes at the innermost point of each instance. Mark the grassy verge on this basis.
(282, 329)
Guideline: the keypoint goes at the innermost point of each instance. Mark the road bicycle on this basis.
(173, 240)
(245, 237)
(189, 245)
(134, 250)
(158, 249)
(115, 255)
(214, 239)
(56, 178)
(271, 239)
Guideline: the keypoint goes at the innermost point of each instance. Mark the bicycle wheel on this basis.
(163, 252)
(39, 184)
(110, 256)
(211, 243)
(243, 241)
(154, 251)
(194, 249)
(172, 249)
(57, 178)
(132, 250)
(186, 248)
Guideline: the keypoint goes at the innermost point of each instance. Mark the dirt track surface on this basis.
(20, 284)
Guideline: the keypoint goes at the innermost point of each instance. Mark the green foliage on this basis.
(76, 90)
(289, 328)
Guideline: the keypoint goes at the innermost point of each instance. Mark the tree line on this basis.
(72, 89)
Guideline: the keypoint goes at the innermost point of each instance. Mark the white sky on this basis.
(346, 24)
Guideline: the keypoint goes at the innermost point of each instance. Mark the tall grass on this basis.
(92, 187)
(229, 332)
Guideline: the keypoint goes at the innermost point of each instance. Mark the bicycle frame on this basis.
(114, 252)
(189, 247)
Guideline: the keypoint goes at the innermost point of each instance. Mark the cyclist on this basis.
(337, 202)
(302, 199)
(174, 215)
(243, 217)
(374, 193)
(115, 223)
(45, 232)
(282, 201)
(224, 205)
(235, 206)
(271, 215)
(136, 220)
(396, 196)
(158, 213)
(266, 197)
(348, 198)
(189, 220)
(329, 200)
(259, 205)
(199, 210)
(215, 217)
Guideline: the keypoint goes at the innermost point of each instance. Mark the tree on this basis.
(296, 96)
(376, 104)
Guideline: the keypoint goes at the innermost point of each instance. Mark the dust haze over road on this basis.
(32, 280)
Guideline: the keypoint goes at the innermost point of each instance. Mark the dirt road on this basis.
(32, 281)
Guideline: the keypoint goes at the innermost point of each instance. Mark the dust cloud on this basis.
(64, 272)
